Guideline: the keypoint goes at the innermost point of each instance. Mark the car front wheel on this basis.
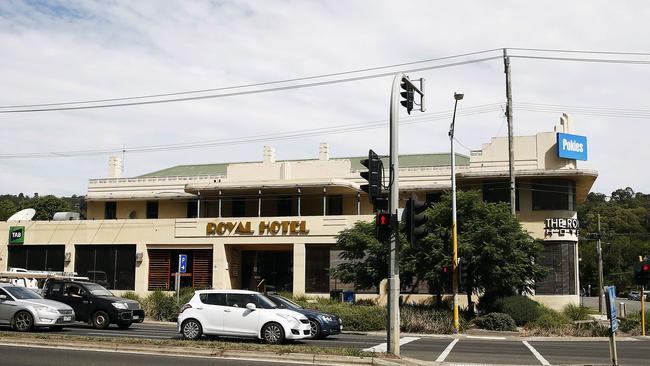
(273, 333)
(192, 329)
(314, 331)
(101, 320)
(23, 321)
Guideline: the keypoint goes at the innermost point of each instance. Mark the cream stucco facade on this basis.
(288, 213)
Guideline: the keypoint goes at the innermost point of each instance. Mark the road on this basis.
(41, 356)
(631, 305)
(466, 349)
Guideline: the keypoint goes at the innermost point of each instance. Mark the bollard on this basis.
(622, 309)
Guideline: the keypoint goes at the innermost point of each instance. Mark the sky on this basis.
(66, 51)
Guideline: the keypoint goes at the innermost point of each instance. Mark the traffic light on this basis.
(463, 273)
(415, 220)
(408, 95)
(374, 176)
(383, 226)
(642, 273)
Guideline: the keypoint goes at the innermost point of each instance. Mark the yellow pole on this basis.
(642, 305)
(455, 276)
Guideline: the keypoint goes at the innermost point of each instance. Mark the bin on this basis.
(349, 296)
(336, 295)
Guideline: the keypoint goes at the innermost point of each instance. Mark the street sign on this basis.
(182, 263)
(610, 298)
(612, 312)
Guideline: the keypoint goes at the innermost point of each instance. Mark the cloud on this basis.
(79, 50)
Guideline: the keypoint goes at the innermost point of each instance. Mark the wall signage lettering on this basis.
(560, 227)
(224, 228)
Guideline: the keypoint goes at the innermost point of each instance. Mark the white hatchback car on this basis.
(240, 313)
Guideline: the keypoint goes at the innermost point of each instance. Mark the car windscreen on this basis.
(286, 302)
(22, 293)
(97, 290)
(264, 302)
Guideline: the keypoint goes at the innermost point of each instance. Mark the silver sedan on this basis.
(24, 310)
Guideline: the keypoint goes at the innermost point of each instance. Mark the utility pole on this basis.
(511, 149)
(599, 251)
(393, 204)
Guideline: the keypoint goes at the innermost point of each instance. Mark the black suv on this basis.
(94, 304)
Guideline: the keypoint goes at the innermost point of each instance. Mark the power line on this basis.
(248, 92)
(253, 84)
(577, 59)
(579, 51)
(442, 115)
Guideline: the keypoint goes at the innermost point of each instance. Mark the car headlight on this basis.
(46, 309)
(327, 318)
(120, 305)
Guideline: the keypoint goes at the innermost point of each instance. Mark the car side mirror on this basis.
(251, 306)
(3, 297)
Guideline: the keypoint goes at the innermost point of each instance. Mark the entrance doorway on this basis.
(267, 270)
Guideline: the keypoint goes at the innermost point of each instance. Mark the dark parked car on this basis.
(94, 304)
(322, 324)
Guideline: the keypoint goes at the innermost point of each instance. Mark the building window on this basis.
(497, 192)
(36, 257)
(285, 206)
(110, 210)
(317, 266)
(192, 207)
(152, 209)
(550, 195)
(112, 266)
(559, 257)
(335, 205)
(163, 264)
(238, 207)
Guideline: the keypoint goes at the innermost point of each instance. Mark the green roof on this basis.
(405, 161)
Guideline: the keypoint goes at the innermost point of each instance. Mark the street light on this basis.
(457, 97)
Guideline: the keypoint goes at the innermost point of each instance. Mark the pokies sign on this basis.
(227, 228)
(571, 146)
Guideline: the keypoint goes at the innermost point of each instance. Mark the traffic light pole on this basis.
(393, 270)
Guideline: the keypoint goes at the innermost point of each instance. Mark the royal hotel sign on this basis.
(228, 228)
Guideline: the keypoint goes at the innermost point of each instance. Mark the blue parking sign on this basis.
(182, 263)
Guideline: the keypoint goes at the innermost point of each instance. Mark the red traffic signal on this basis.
(382, 220)
(645, 268)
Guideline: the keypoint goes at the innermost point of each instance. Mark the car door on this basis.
(7, 308)
(238, 320)
(210, 312)
(78, 298)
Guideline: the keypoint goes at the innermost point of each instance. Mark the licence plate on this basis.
(136, 317)
(67, 318)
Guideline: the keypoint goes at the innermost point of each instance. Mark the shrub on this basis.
(576, 312)
(420, 318)
(632, 323)
(160, 306)
(551, 322)
(496, 321)
(184, 296)
(592, 329)
(522, 309)
(132, 296)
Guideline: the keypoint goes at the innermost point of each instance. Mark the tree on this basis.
(502, 258)
(501, 255)
(46, 206)
(7, 208)
(366, 259)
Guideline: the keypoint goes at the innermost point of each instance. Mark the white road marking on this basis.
(537, 355)
(447, 351)
(383, 347)
(486, 337)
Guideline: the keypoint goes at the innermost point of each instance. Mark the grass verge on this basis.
(214, 346)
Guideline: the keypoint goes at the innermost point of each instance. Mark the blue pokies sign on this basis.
(571, 146)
